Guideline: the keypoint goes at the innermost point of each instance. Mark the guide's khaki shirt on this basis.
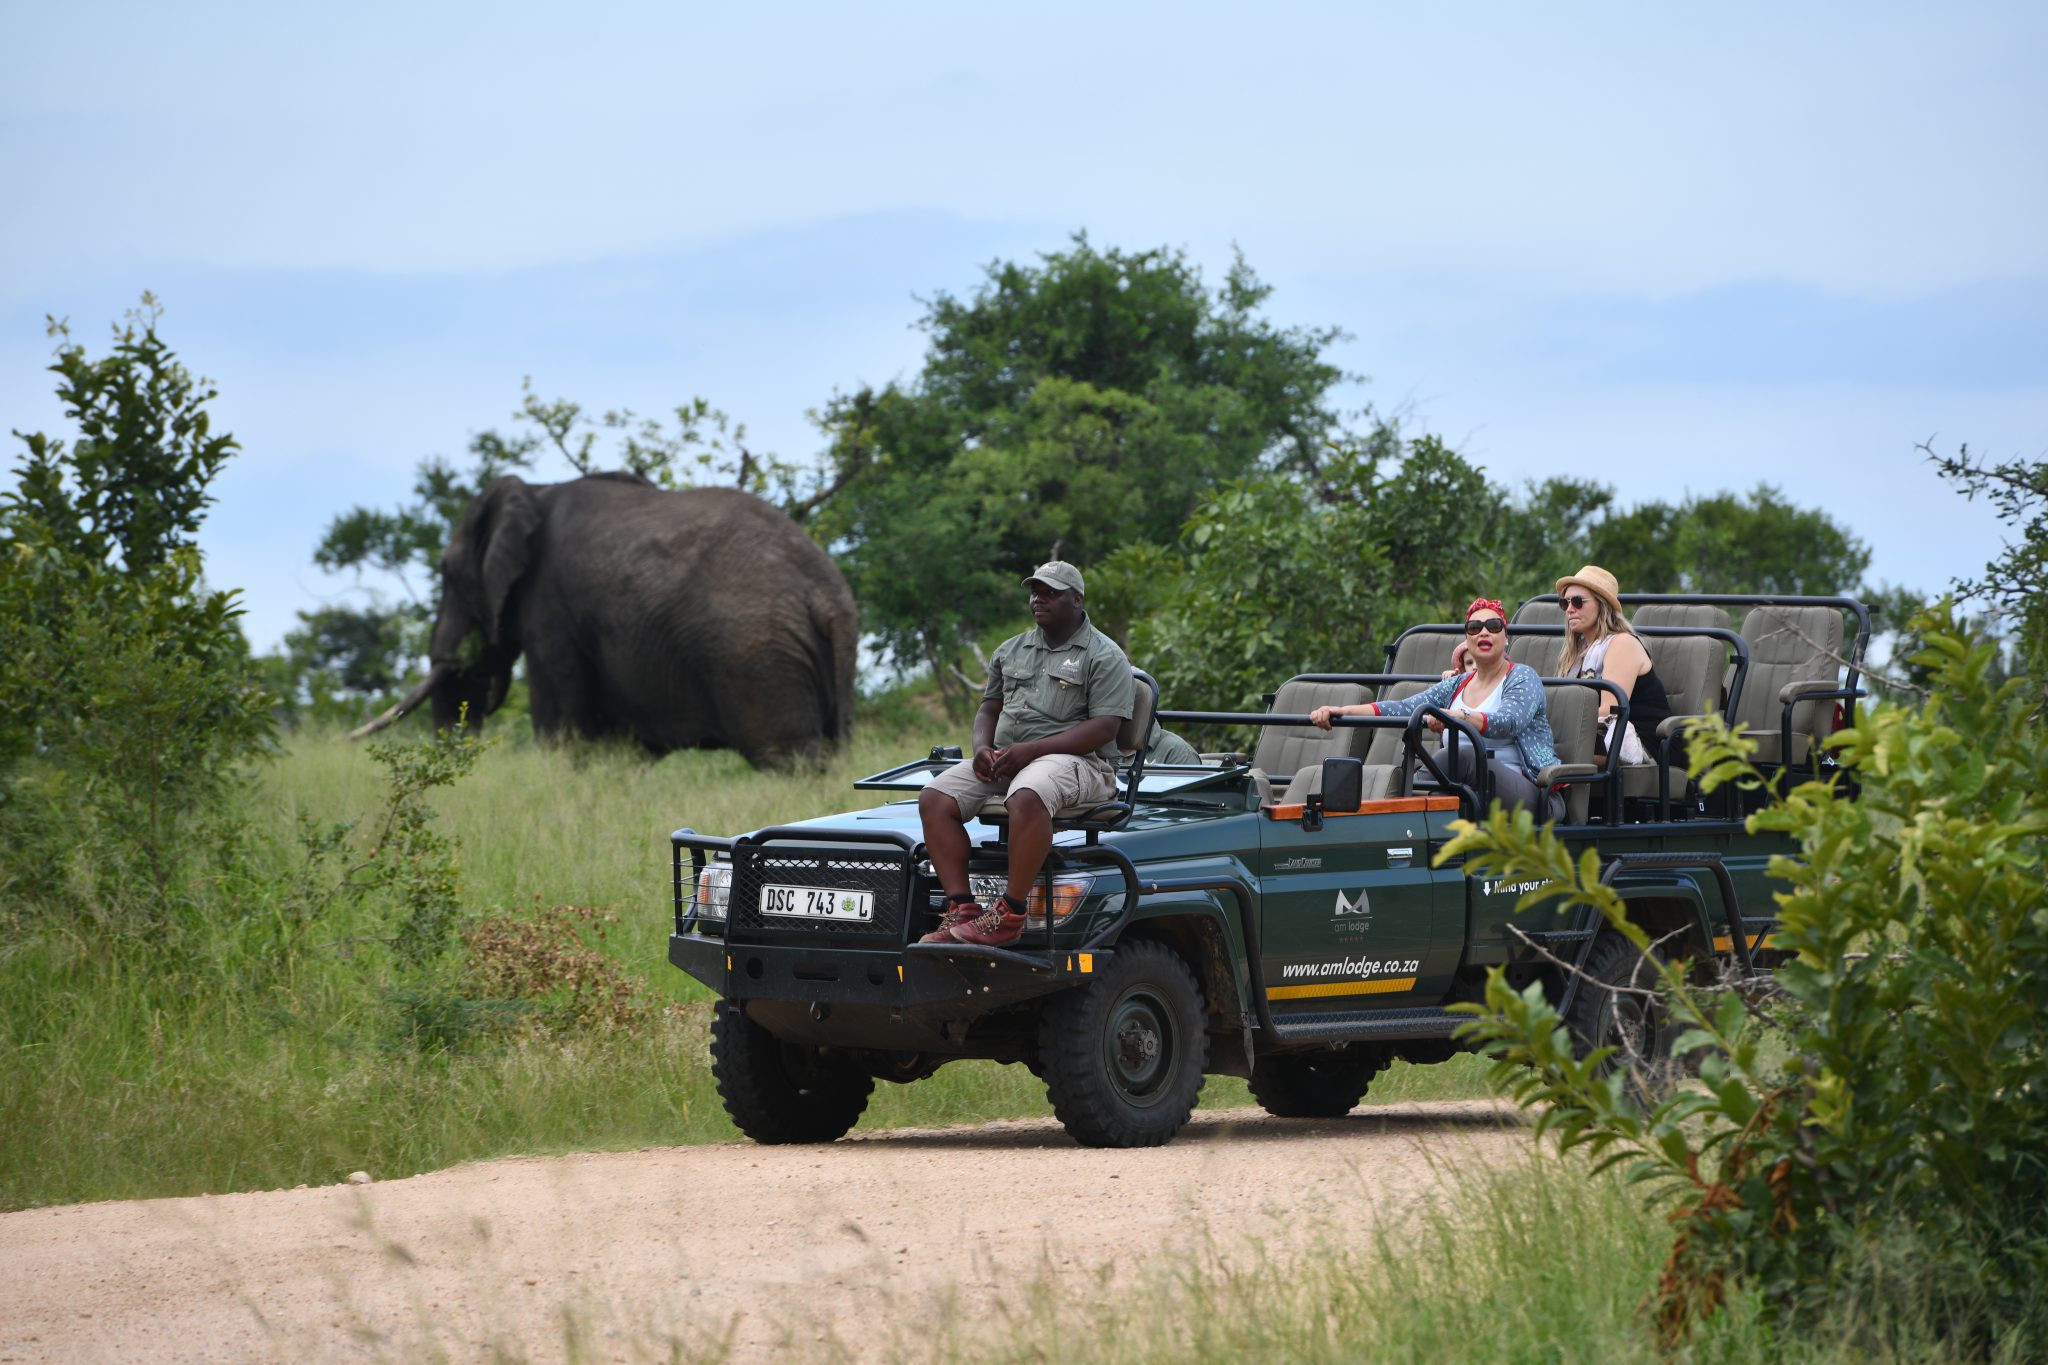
(1047, 691)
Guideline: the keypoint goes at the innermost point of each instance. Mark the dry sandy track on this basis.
(867, 1244)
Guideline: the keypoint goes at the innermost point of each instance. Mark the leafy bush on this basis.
(1879, 1130)
(126, 694)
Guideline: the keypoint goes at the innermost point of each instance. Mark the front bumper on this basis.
(975, 979)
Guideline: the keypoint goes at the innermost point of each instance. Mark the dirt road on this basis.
(868, 1246)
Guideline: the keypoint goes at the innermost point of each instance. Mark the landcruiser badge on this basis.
(1297, 864)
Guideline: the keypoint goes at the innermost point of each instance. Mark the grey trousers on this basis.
(1511, 786)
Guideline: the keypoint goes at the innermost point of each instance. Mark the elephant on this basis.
(700, 618)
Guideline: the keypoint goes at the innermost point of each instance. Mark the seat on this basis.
(1383, 752)
(1537, 651)
(1290, 748)
(1690, 667)
(1574, 709)
(1423, 652)
(1099, 816)
(1791, 649)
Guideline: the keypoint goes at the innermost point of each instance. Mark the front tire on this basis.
(1315, 1085)
(1123, 1057)
(1611, 1011)
(778, 1092)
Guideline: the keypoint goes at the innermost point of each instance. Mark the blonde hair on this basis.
(1610, 621)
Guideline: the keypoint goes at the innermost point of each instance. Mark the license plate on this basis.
(817, 902)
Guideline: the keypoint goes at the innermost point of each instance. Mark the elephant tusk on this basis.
(412, 699)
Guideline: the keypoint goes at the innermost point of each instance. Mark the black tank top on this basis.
(1649, 707)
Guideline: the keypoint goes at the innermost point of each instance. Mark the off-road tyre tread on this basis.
(764, 1101)
(1070, 1045)
(1293, 1086)
(1614, 961)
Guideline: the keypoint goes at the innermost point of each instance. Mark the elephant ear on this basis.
(510, 522)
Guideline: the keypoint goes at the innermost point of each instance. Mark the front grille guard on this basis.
(786, 847)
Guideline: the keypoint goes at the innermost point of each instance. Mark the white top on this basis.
(1503, 749)
(1594, 658)
(1590, 666)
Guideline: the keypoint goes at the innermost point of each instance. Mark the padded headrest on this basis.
(1423, 652)
(1682, 615)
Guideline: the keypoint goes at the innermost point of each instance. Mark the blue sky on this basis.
(1674, 251)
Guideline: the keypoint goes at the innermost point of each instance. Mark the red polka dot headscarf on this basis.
(1480, 604)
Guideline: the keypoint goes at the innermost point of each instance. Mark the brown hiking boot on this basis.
(956, 914)
(996, 927)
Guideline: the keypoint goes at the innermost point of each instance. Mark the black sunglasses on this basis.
(1492, 625)
(1576, 602)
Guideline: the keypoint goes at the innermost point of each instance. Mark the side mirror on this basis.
(1343, 783)
(944, 753)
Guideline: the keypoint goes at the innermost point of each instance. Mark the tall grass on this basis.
(239, 1058)
(1535, 1260)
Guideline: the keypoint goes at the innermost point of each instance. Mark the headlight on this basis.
(1067, 894)
(1068, 891)
(714, 891)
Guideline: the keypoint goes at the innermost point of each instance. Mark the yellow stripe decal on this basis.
(1724, 942)
(1383, 986)
(1087, 962)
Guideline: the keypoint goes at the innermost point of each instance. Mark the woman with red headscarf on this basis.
(1503, 701)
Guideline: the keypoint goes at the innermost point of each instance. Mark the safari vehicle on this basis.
(1276, 916)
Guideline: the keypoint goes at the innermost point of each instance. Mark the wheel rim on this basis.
(1140, 1046)
(805, 1068)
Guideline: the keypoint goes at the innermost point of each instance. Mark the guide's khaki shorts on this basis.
(1060, 780)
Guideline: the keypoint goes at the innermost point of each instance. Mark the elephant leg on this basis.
(562, 699)
(770, 727)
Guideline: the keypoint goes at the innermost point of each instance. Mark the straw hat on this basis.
(1597, 581)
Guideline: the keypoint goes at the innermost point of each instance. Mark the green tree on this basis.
(1303, 573)
(1725, 543)
(1528, 541)
(2015, 584)
(1084, 403)
(126, 693)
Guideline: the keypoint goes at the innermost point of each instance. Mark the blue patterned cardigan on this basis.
(1520, 715)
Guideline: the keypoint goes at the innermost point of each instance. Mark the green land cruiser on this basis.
(1276, 916)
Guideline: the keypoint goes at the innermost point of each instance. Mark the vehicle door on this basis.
(1351, 916)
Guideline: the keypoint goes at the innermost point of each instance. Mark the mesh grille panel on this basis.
(882, 874)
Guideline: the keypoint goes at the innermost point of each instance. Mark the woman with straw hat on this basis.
(1599, 643)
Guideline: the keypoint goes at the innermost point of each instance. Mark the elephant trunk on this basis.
(412, 699)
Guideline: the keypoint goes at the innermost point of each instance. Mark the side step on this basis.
(1359, 1026)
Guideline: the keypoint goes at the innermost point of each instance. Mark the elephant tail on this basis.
(835, 641)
